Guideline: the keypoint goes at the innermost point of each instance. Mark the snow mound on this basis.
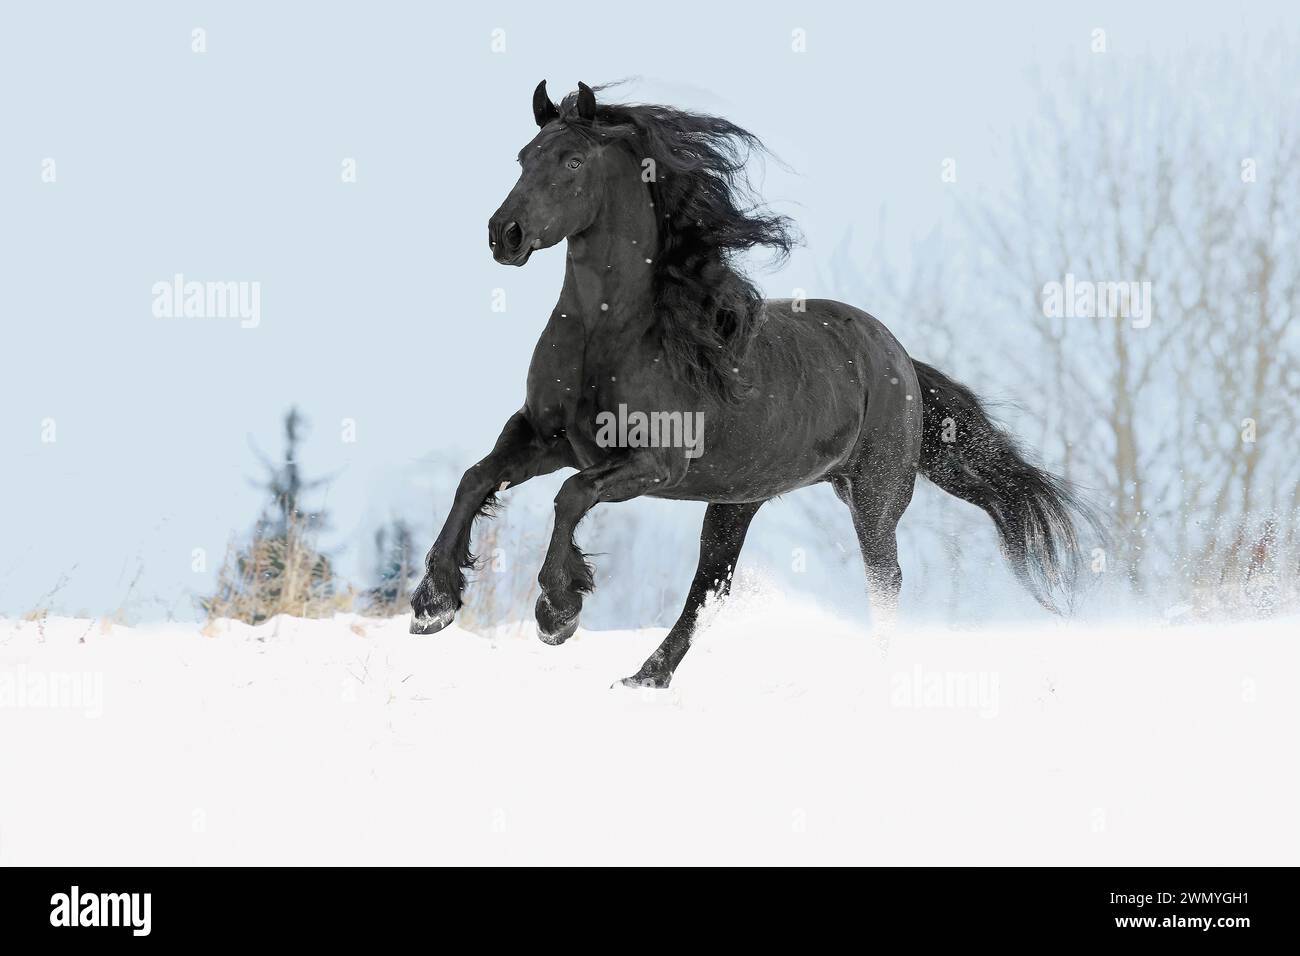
(789, 736)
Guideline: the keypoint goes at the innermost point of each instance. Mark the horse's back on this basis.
(838, 340)
(814, 322)
(846, 346)
(830, 387)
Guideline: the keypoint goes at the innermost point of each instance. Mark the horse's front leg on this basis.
(518, 455)
(566, 576)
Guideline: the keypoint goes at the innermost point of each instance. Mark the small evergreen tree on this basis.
(280, 570)
(397, 569)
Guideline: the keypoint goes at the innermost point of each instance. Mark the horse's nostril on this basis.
(513, 237)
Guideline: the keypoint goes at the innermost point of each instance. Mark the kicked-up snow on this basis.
(788, 736)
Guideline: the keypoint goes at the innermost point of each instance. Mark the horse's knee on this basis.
(574, 499)
(473, 481)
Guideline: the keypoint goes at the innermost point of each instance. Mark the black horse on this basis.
(656, 318)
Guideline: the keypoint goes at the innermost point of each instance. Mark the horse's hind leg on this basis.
(721, 538)
(877, 506)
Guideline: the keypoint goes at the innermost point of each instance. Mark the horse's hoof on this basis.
(554, 626)
(431, 622)
(432, 608)
(559, 637)
(644, 682)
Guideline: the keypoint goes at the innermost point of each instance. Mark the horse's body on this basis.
(800, 437)
(653, 318)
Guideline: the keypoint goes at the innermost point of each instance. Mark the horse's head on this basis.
(559, 192)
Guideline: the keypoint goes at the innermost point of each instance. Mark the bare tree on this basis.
(1177, 418)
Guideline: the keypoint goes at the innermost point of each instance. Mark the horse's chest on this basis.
(579, 382)
(581, 400)
(555, 378)
(606, 395)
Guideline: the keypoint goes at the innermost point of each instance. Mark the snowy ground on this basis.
(787, 737)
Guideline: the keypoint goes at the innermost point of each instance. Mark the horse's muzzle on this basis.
(507, 242)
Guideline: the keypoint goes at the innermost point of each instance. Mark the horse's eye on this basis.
(575, 163)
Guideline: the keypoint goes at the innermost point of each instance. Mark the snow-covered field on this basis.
(788, 736)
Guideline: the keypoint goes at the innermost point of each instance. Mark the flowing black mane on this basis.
(706, 307)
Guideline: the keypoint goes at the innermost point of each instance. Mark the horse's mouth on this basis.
(518, 259)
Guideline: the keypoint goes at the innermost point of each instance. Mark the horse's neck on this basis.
(609, 273)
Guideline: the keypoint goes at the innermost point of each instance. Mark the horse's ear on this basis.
(586, 102)
(543, 109)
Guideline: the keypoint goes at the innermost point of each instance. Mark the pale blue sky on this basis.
(376, 295)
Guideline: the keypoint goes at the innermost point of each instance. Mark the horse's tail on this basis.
(967, 455)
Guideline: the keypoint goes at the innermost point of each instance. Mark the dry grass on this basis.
(277, 574)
